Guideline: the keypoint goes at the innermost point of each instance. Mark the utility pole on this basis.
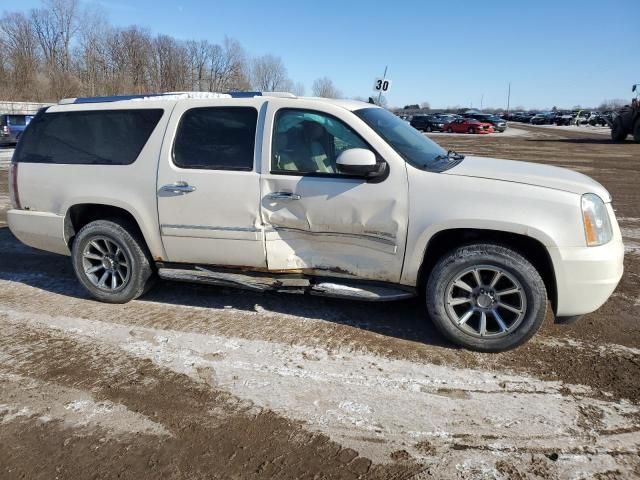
(481, 101)
(508, 98)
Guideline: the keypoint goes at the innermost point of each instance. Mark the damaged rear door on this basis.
(318, 220)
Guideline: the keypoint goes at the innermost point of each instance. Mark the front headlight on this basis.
(597, 227)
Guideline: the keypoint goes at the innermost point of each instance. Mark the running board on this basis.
(368, 292)
(257, 282)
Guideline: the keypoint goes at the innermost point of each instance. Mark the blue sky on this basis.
(561, 52)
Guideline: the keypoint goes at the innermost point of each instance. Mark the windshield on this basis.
(412, 145)
(17, 120)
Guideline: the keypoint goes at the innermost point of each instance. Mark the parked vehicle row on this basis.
(450, 123)
(562, 117)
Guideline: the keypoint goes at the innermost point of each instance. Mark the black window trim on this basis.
(219, 169)
(379, 158)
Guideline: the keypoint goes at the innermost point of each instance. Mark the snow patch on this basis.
(359, 395)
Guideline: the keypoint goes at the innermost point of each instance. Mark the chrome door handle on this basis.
(283, 196)
(178, 187)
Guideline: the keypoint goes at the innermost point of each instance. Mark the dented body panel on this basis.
(339, 226)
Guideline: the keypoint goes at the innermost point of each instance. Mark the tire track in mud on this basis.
(143, 370)
(41, 283)
(213, 434)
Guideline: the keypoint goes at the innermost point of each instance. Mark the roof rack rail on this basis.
(146, 96)
(172, 96)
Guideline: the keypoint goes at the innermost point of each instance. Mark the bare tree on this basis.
(298, 89)
(613, 104)
(268, 74)
(324, 87)
(199, 58)
(228, 67)
(170, 62)
(425, 106)
(90, 54)
(67, 48)
(21, 55)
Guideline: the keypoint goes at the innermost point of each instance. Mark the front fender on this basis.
(414, 259)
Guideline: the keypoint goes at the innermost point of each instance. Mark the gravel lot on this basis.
(204, 382)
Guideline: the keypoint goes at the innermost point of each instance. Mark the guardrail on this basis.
(21, 107)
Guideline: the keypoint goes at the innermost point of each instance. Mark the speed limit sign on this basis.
(382, 85)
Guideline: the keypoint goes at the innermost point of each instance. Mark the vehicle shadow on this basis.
(405, 319)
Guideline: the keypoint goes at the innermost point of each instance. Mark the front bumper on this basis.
(586, 276)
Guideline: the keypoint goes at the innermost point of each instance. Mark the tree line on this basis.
(66, 49)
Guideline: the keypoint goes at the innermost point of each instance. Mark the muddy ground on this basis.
(203, 382)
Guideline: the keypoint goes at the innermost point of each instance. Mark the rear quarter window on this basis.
(106, 137)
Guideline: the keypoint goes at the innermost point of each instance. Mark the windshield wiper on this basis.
(451, 155)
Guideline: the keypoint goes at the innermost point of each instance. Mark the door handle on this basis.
(283, 196)
(178, 187)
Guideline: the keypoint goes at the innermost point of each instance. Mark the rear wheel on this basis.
(618, 132)
(429, 129)
(110, 260)
(449, 130)
(486, 297)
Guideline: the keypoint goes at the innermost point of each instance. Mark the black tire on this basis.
(618, 132)
(471, 130)
(503, 259)
(449, 130)
(636, 131)
(429, 129)
(140, 276)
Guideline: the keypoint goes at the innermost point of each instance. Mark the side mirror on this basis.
(358, 161)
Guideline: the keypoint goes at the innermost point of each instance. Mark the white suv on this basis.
(331, 197)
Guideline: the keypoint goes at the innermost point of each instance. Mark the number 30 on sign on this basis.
(382, 85)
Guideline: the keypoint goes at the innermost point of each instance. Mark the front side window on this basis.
(216, 138)
(309, 142)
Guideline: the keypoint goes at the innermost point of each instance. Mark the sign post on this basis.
(382, 85)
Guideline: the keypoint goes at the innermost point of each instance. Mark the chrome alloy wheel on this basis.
(106, 264)
(485, 301)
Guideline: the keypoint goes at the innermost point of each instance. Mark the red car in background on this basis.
(467, 125)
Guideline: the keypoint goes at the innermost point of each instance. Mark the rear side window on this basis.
(106, 137)
(217, 138)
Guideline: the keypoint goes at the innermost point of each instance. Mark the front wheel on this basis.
(486, 297)
(636, 131)
(429, 129)
(449, 130)
(110, 260)
(471, 130)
